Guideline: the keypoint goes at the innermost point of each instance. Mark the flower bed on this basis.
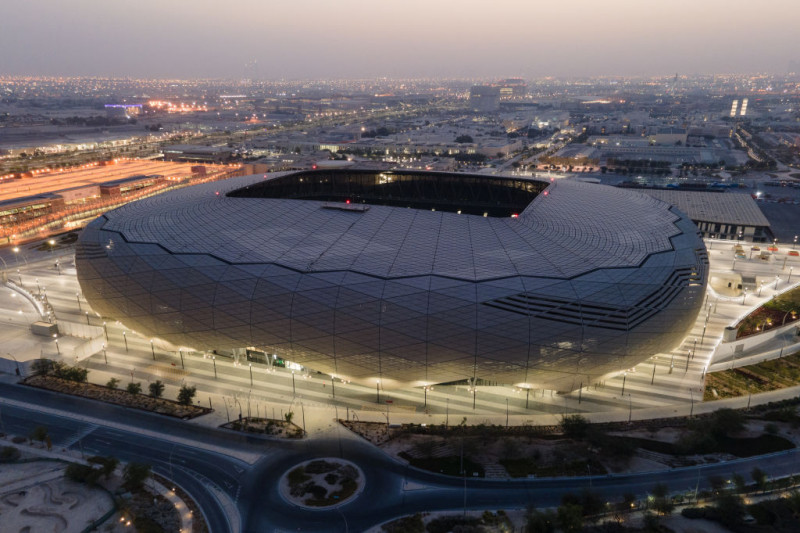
(775, 313)
(266, 426)
(116, 396)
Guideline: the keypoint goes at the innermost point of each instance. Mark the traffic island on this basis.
(282, 429)
(122, 397)
(322, 483)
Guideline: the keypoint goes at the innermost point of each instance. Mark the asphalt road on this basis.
(391, 489)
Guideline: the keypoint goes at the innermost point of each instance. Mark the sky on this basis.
(326, 39)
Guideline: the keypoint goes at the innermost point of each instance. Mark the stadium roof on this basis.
(571, 229)
(723, 208)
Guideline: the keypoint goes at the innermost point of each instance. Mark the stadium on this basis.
(404, 278)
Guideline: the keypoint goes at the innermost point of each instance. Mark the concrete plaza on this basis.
(667, 384)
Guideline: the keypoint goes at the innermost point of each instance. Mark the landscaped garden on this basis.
(321, 483)
(267, 426)
(56, 376)
(762, 377)
(775, 313)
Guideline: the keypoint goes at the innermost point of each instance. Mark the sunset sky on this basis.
(410, 38)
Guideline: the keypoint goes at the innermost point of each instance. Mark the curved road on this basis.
(392, 488)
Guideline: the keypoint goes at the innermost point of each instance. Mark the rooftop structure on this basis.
(719, 215)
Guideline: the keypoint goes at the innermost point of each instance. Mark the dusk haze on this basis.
(399, 266)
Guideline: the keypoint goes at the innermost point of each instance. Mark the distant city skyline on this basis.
(314, 39)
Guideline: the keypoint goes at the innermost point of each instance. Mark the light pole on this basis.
(691, 409)
(333, 387)
(672, 362)
(125, 338)
(694, 347)
(794, 244)
(87, 318)
(152, 349)
(104, 353)
(294, 391)
(78, 297)
(105, 330)
(624, 377)
(653, 377)
(777, 279)
(251, 375)
(744, 295)
(214, 361)
(790, 275)
(630, 408)
(761, 286)
(378, 391)
(57, 348)
(180, 352)
(507, 413)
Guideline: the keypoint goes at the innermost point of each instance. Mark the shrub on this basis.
(320, 467)
(574, 426)
(82, 473)
(297, 476)
(407, 524)
(9, 454)
(693, 513)
(134, 388)
(112, 383)
(186, 394)
(156, 389)
(134, 475)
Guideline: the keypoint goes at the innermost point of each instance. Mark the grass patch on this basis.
(762, 377)
(528, 467)
(449, 466)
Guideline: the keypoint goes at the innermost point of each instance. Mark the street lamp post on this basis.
(624, 377)
(672, 363)
(78, 297)
(791, 269)
(744, 295)
(87, 318)
(378, 391)
(180, 352)
(630, 408)
(214, 361)
(333, 387)
(105, 330)
(104, 353)
(694, 348)
(777, 279)
(653, 377)
(293, 387)
(152, 349)
(691, 409)
(125, 338)
(251, 375)
(761, 286)
(57, 348)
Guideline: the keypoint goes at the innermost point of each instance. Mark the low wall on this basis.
(754, 359)
(727, 349)
(76, 329)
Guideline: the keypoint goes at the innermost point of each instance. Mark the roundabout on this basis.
(320, 484)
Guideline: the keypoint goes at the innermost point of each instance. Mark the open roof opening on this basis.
(449, 192)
